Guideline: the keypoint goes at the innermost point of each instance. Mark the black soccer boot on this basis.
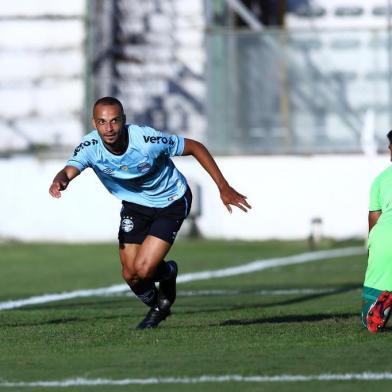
(167, 289)
(153, 318)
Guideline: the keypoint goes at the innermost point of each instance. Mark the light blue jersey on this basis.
(144, 174)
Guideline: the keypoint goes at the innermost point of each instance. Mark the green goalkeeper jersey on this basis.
(379, 270)
(381, 195)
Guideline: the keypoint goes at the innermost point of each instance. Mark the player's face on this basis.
(390, 150)
(109, 121)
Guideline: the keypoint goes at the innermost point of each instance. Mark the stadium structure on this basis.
(292, 96)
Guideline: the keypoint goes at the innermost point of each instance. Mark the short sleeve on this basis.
(375, 200)
(80, 158)
(161, 142)
(176, 145)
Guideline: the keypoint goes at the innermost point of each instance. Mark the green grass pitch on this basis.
(237, 325)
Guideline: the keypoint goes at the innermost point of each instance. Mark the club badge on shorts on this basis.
(127, 224)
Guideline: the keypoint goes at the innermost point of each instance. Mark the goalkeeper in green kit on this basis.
(377, 289)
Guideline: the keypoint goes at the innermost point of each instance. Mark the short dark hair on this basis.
(389, 136)
(108, 101)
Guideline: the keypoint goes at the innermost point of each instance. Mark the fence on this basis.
(298, 91)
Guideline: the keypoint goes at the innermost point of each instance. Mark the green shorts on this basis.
(369, 296)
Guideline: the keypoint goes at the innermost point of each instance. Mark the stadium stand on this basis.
(323, 72)
(347, 41)
(42, 74)
(306, 88)
(157, 62)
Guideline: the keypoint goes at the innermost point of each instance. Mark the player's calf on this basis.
(167, 287)
(146, 291)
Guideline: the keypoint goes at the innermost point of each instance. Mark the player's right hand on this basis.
(56, 188)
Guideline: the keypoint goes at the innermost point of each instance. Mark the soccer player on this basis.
(376, 294)
(134, 164)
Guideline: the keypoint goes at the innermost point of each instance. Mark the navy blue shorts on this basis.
(137, 221)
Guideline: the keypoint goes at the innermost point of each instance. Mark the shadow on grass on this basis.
(291, 301)
(293, 318)
(64, 320)
(299, 318)
(311, 297)
(119, 301)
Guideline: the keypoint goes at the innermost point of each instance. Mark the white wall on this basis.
(285, 192)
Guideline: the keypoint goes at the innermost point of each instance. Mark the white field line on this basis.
(272, 293)
(254, 266)
(74, 382)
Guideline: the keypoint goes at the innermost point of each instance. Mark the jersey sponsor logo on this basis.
(143, 167)
(127, 224)
(158, 140)
(124, 167)
(82, 145)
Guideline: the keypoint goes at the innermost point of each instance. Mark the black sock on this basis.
(146, 291)
(163, 272)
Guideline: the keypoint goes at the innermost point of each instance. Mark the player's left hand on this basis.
(231, 197)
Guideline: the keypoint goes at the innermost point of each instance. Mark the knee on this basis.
(144, 269)
(129, 275)
(139, 271)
